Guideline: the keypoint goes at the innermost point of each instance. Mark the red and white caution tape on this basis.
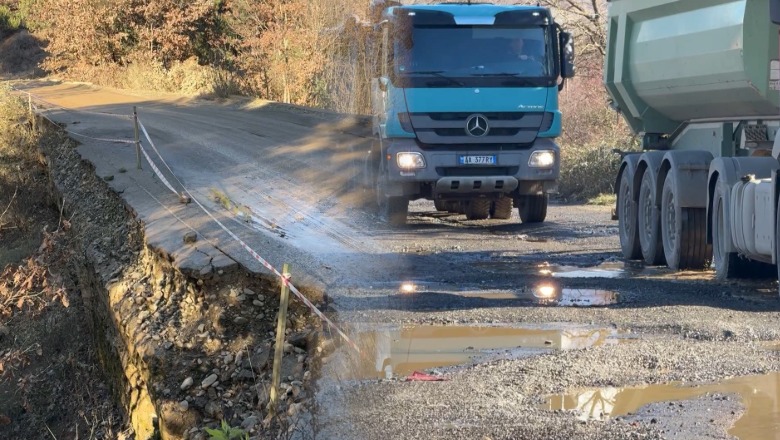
(52, 105)
(255, 255)
(112, 140)
(157, 171)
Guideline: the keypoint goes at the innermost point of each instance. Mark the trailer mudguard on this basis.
(628, 165)
(689, 171)
(649, 162)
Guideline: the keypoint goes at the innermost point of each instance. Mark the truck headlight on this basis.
(410, 161)
(542, 159)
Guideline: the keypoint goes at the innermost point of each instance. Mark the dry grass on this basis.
(591, 131)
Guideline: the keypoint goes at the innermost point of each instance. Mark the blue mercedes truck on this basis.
(465, 108)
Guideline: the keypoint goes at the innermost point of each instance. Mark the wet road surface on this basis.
(494, 307)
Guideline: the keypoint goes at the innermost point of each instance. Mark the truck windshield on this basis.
(473, 52)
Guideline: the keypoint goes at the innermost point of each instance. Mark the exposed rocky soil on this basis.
(178, 353)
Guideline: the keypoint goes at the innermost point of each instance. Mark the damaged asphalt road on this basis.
(284, 180)
(671, 328)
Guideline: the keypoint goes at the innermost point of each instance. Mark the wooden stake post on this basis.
(137, 140)
(32, 113)
(281, 325)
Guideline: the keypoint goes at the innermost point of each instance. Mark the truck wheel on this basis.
(731, 264)
(627, 220)
(392, 209)
(649, 223)
(454, 206)
(684, 232)
(533, 208)
(441, 205)
(501, 209)
(477, 209)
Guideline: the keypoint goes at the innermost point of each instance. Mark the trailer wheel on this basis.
(501, 209)
(683, 231)
(627, 220)
(649, 223)
(477, 209)
(533, 208)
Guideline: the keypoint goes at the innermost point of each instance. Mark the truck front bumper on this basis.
(447, 177)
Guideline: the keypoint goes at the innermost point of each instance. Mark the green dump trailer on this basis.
(698, 80)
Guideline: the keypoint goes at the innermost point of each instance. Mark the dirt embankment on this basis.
(89, 311)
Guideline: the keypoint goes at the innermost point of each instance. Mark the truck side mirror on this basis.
(383, 82)
(567, 54)
(774, 11)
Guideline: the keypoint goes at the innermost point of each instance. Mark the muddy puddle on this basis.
(759, 394)
(401, 351)
(609, 269)
(543, 293)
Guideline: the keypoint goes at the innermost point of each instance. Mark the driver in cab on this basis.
(529, 53)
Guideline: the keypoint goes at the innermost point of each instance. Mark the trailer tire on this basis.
(501, 209)
(441, 205)
(684, 231)
(477, 209)
(533, 208)
(627, 219)
(649, 222)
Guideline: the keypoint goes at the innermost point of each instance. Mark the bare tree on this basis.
(587, 20)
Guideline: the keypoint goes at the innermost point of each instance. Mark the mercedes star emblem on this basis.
(477, 126)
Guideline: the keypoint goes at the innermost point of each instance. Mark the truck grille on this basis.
(508, 129)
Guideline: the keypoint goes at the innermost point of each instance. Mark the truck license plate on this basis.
(477, 160)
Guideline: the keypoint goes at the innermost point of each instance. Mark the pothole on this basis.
(400, 351)
(609, 269)
(760, 396)
(543, 293)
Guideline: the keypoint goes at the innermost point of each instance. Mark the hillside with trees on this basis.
(304, 52)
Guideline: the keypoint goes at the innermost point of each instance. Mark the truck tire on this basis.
(731, 264)
(627, 219)
(533, 208)
(441, 205)
(477, 209)
(649, 223)
(392, 209)
(684, 232)
(501, 209)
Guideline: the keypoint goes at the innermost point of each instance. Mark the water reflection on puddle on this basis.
(608, 269)
(759, 394)
(550, 294)
(401, 351)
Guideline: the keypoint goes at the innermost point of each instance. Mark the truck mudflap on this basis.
(471, 185)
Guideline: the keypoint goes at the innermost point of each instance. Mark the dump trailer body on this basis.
(673, 62)
(698, 80)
